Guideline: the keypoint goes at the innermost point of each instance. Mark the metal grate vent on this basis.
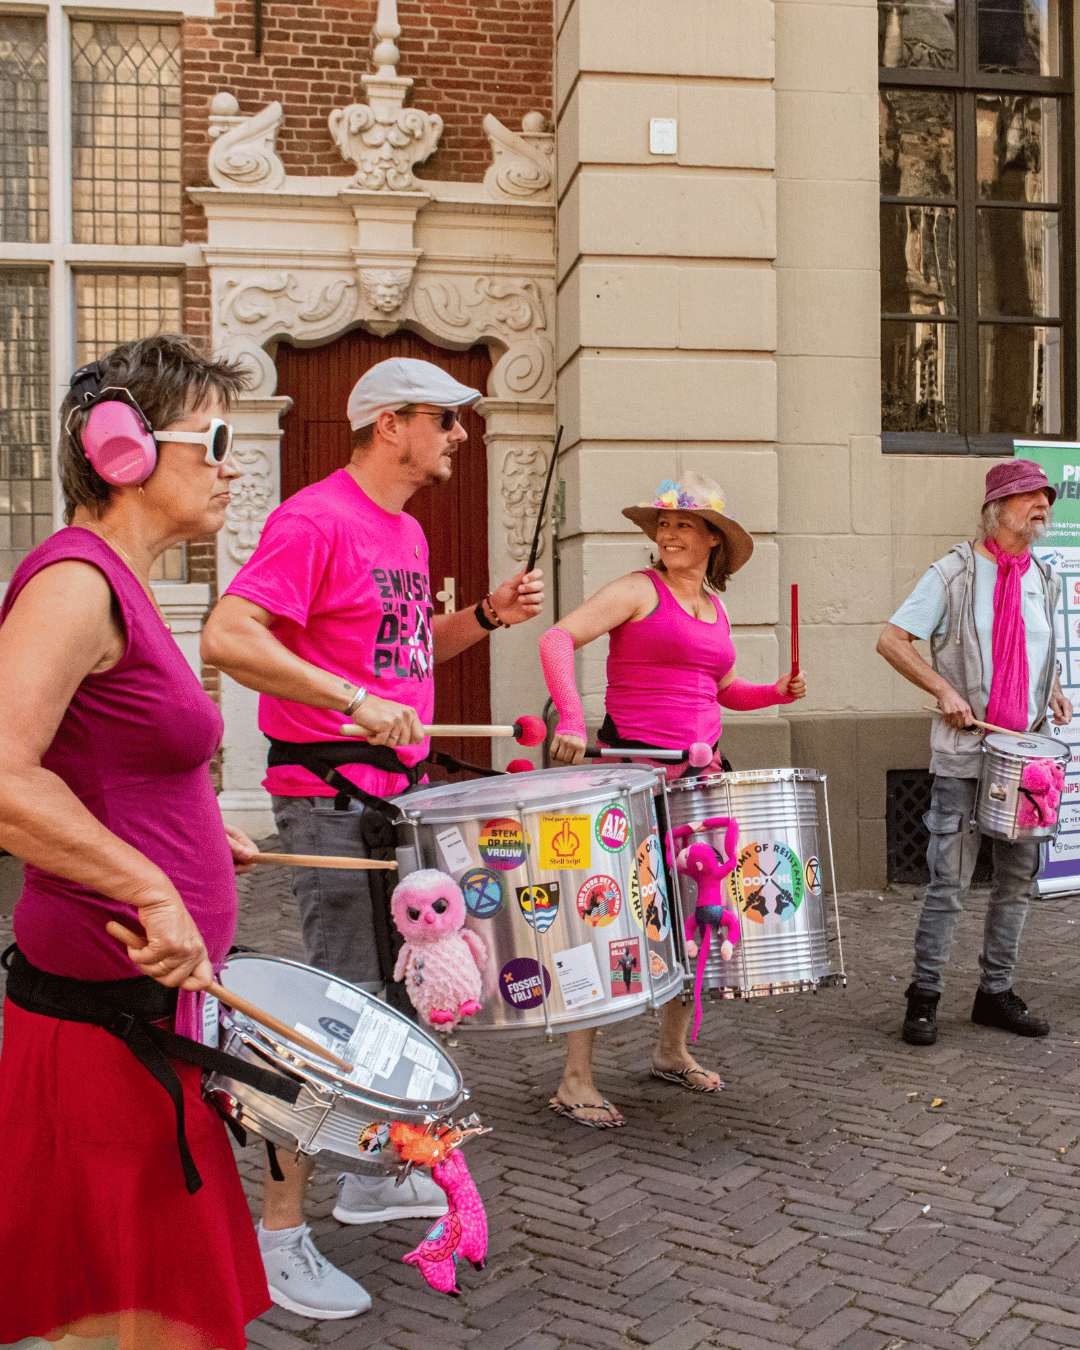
(907, 799)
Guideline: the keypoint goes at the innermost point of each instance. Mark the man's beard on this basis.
(1033, 531)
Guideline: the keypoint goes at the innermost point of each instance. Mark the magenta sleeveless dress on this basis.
(89, 1169)
(663, 672)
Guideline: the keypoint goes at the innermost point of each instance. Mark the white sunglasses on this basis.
(218, 440)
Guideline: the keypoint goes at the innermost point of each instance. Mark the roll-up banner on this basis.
(1060, 461)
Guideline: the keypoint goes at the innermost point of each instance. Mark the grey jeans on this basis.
(335, 905)
(954, 846)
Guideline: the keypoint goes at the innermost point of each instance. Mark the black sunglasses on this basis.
(447, 418)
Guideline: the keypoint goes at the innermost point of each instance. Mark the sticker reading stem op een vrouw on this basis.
(565, 843)
(599, 901)
(768, 880)
(501, 844)
(648, 877)
(613, 829)
(483, 892)
(519, 983)
(539, 904)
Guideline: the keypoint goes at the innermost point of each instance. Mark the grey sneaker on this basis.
(418, 1197)
(303, 1280)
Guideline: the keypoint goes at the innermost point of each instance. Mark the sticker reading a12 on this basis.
(501, 844)
(612, 829)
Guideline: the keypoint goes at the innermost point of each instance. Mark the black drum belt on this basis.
(126, 1009)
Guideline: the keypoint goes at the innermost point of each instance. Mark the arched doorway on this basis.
(316, 441)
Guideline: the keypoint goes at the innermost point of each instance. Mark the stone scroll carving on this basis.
(242, 153)
(524, 163)
(522, 486)
(252, 500)
(306, 305)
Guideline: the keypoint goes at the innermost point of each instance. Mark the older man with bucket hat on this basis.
(987, 610)
(332, 619)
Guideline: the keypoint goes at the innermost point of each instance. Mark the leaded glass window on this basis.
(977, 260)
(26, 514)
(24, 130)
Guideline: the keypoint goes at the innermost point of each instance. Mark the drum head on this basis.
(1028, 746)
(544, 787)
(399, 1069)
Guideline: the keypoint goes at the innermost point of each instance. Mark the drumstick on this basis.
(794, 629)
(543, 502)
(231, 1000)
(986, 726)
(318, 860)
(527, 730)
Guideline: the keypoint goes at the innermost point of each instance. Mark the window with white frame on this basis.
(90, 235)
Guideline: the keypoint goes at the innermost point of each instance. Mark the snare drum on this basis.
(400, 1073)
(788, 944)
(999, 798)
(562, 875)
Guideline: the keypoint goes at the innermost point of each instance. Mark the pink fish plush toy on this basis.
(441, 960)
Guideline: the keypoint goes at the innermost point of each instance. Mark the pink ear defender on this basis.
(117, 439)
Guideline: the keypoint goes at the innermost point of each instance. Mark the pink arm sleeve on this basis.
(557, 659)
(743, 696)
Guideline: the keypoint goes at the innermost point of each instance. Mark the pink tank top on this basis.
(133, 746)
(663, 672)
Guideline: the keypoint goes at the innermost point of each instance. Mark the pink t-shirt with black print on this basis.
(349, 583)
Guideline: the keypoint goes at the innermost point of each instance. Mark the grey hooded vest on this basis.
(956, 657)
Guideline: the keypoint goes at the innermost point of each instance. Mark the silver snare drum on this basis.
(400, 1073)
(563, 880)
(999, 799)
(788, 943)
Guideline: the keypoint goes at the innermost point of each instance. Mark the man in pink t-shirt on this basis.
(333, 616)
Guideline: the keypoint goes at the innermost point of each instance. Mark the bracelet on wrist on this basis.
(482, 619)
(499, 623)
(356, 700)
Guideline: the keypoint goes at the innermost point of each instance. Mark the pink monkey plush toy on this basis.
(441, 960)
(1040, 791)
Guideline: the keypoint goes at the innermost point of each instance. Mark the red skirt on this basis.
(95, 1219)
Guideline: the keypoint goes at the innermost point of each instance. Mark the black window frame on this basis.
(967, 83)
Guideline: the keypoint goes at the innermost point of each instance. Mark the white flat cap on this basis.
(400, 381)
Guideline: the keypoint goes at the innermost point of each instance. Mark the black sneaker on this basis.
(920, 1022)
(1007, 1011)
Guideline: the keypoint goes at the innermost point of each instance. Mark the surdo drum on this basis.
(562, 875)
(789, 944)
(1001, 792)
(399, 1072)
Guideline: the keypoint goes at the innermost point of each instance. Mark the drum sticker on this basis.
(599, 901)
(375, 1046)
(565, 843)
(813, 875)
(340, 1031)
(578, 976)
(624, 960)
(375, 1137)
(769, 882)
(420, 1084)
(501, 844)
(519, 983)
(648, 879)
(454, 850)
(657, 965)
(539, 904)
(348, 998)
(613, 829)
(211, 1025)
(483, 892)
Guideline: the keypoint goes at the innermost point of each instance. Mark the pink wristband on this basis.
(557, 659)
(742, 696)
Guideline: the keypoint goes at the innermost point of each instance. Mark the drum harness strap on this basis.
(608, 735)
(127, 1010)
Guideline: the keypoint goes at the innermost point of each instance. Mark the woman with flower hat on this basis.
(670, 672)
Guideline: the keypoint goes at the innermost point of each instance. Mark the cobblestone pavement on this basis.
(845, 1190)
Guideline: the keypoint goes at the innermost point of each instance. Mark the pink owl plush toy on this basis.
(441, 960)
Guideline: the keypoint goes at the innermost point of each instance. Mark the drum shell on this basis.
(511, 938)
(997, 802)
(777, 811)
(331, 1111)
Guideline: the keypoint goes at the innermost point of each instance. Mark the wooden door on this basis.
(316, 441)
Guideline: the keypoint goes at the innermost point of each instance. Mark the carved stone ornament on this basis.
(252, 500)
(385, 288)
(384, 141)
(524, 166)
(522, 485)
(302, 304)
(242, 151)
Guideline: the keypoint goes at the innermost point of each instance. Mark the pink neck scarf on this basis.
(1008, 705)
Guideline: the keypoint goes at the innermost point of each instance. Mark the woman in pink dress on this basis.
(123, 1210)
(670, 670)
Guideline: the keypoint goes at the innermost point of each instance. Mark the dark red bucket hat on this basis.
(1016, 475)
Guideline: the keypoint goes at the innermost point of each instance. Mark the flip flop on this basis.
(682, 1077)
(562, 1109)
